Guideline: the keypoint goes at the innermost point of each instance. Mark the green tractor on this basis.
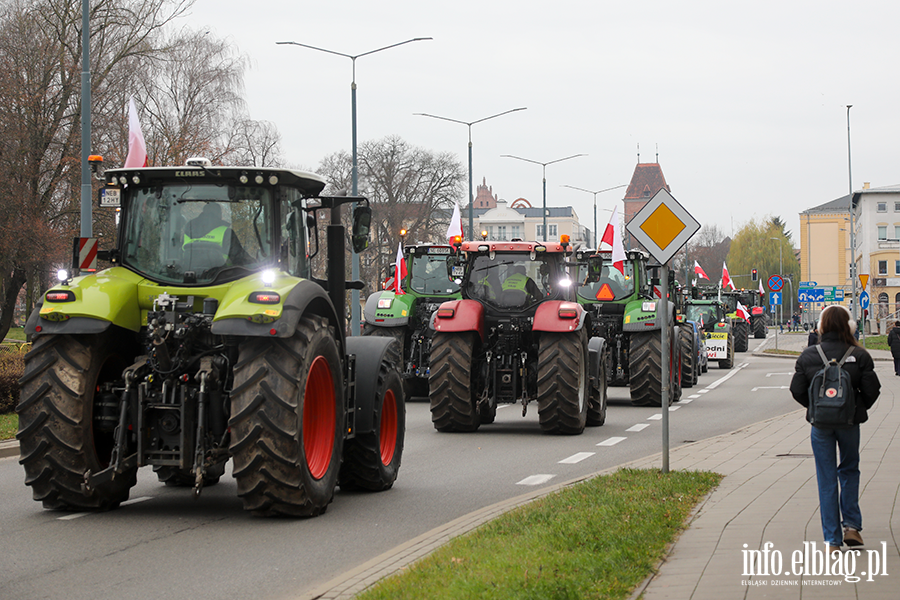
(208, 340)
(742, 327)
(432, 278)
(626, 311)
(718, 326)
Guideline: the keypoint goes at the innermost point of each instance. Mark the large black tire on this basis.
(728, 362)
(596, 415)
(372, 460)
(562, 382)
(760, 331)
(452, 382)
(645, 368)
(287, 421)
(741, 330)
(687, 355)
(57, 439)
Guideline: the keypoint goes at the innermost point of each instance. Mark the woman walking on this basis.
(893, 341)
(838, 506)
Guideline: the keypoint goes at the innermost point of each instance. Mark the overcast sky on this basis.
(746, 104)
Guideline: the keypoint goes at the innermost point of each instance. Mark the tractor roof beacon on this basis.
(516, 336)
(208, 340)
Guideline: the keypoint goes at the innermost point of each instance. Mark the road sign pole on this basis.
(664, 336)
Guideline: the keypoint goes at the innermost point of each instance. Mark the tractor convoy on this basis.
(209, 340)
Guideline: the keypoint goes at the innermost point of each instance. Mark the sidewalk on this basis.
(769, 494)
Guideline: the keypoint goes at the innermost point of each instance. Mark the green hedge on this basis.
(12, 365)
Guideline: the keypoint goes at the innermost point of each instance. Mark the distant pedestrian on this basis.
(838, 507)
(893, 341)
(813, 337)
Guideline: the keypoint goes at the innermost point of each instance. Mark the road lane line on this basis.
(611, 441)
(693, 396)
(536, 479)
(722, 380)
(73, 516)
(685, 401)
(638, 427)
(136, 500)
(576, 458)
(656, 417)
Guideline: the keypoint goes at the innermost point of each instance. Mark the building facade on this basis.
(877, 252)
(825, 244)
(646, 180)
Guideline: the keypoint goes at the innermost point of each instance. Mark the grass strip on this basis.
(9, 424)
(780, 351)
(597, 539)
(876, 342)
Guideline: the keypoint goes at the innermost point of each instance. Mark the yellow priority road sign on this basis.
(864, 279)
(662, 226)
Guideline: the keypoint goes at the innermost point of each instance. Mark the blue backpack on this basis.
(832, 401)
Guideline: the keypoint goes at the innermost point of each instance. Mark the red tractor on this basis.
(517, 335)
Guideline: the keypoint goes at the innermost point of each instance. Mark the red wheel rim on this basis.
(319, 418)
(388, 429)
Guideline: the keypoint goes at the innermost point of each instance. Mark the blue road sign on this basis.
(838, 295)
(864, 300)
(811, 295)
(774, 298)
(808, 284)
(776, 283)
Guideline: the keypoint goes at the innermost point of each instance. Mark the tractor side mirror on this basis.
(362, 222)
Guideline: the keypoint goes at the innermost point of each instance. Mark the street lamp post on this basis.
(354, 305)
(596, 231)
(469, 125)
(544, 167)
(853, 298)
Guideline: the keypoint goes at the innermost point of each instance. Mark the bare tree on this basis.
(709, 247)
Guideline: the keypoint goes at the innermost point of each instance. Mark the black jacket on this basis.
(893, 341)
(859, 365)
(813, 339)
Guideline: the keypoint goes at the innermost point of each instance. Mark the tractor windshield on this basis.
(514, 280)
(430, 274)
(604, 282)
(702, 313)
(193, 233)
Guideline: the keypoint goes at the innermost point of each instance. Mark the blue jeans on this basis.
(829, 474)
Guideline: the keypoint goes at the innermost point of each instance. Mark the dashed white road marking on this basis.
(771, 387)
(536, 480)
(576, 458)
(656, 417)
(136, 500)
(685, 401)
(638, 427)
(702, 391)
(73, 516)
(612, 441)
(693, 396)
(722, 380)
(770, 374)
(78, 515)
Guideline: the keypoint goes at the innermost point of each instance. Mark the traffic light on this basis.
(754, 275)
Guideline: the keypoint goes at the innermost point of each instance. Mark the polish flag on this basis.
(399, 270)
(742, 311)
(137, 149)
(698, 270)
(726, 280)
(455, 228)
(613, 237)
(762, 292)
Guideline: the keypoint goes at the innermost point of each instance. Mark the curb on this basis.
(9, 448)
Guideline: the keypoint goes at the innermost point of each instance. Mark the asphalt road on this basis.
(164, 544)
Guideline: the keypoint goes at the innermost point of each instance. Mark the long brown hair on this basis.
(836, 318)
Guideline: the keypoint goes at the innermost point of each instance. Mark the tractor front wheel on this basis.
(562, 382)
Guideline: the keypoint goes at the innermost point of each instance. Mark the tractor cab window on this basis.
(605, 282)
(513, 280)
(702, 313)
(195, 233)
(294, 235)
(430, 274)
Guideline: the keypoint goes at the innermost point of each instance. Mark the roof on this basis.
(840, 205)
(647, 179)
(888, 189)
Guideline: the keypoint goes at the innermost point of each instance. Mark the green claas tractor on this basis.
(742, 328)
(432, 278)
(713, 319)
(207, 340)
(626, 311)
(516, 336)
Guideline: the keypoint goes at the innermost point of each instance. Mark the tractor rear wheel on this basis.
(645, 367)
(687, 355)
(287, 422)
(759, 327)
(372, 459)
(562, 382)
(452, 382)
(596, 415)
(741, 331)
(58, 434)
(728, 362)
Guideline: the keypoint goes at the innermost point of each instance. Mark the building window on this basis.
(897, 232)
(490, 231)
(896, 206)
(539, 232)
(516, 231)
(882, 207)
(501, 233)
(882, 267)
(882, 232)
(554, 232)
(897, 267)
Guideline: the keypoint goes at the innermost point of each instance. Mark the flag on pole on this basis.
(742, 311)
(137, 149)
(762, 292)
(726, 280)
(454, 230)
(399, 270)
(613, 237)
(698, 270)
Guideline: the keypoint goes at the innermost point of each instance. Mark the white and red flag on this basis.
(726, 280)
(455, 228)
(742, 311)
(698, 270)
(613, 237)
(137, 149)
(762, 292)
(399, 270)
